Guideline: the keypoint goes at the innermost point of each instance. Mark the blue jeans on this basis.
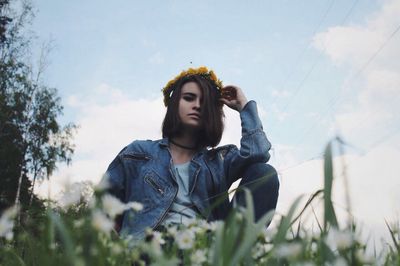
(262, 181)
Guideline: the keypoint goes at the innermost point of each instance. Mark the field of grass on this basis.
(83, 234)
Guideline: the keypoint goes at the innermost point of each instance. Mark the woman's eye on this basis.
(189, 99)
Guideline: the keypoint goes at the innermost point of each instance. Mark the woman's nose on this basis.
(197, 104)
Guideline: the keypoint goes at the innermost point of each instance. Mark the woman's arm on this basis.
(254, 145)
(115, 178)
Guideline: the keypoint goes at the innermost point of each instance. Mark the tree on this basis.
(4, 20)
(31, 139)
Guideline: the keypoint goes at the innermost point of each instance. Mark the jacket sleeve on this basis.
(254, 145)
(115, 179)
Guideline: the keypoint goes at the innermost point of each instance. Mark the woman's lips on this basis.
(194, 115)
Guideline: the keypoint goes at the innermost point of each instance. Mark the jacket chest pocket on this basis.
(136, 156)
(150, 179)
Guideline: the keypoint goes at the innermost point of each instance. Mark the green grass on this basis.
(81, 235)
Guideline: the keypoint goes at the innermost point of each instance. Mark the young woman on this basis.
(183, 175)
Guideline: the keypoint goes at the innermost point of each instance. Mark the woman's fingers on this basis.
(233, 97)
(229, 92)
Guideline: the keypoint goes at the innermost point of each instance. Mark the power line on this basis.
(297, 61)
(334, 101)
(298, 88)
(384, 138)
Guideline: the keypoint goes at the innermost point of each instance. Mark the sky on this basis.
(317, 69)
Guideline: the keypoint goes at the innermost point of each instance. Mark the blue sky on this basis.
(306, 63)
(264, 46)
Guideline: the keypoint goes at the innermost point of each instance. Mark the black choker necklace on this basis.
(183, 146)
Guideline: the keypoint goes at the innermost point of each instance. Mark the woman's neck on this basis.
(182, 148)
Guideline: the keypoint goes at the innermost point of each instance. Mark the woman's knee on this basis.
(263, 172)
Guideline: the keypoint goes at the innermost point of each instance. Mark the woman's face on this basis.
(190, 104)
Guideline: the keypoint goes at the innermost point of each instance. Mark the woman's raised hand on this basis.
(233, 97)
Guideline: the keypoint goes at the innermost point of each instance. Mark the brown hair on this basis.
(211, 112)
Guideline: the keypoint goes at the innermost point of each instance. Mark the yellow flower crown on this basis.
(202, 71)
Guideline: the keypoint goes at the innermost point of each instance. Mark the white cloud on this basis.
(109, 120)
(281, 93)
(278, 114)
(368, 113)
(354, 44)
(156, 59)
(373, 88)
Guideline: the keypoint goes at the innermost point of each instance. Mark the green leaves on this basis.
(31, 136)
(329, 211)
(235, 238)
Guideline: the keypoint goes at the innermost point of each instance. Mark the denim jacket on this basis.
(142, 172)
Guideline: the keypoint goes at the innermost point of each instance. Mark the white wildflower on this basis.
(185, 239)
(197, 230)
(78, 223)
(339, 239)
(154, 248)
(116, 249)
(269, 234)
(239, 217)
(290, 250)
(215, 225)
(257, 250)
(198, 257)
(314, 247)
(157, 236)
(101, 222)
(112, 206)
(79, 262)
(364, 258)
(136, 206)
(92, 202)
(78, 249)
(173, 230)
(261, 249)
(94, 251)
(203, 223)
(72, 195)
(7, 222)
(340, 262)
(306, 263)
